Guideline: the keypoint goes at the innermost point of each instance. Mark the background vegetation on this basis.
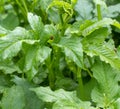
(59, 54)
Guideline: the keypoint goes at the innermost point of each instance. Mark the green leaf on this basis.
(117, 104)
(62, 5)
(3, 31)
(49, 31)
(31, 64)
(62, 99)
(35, 23)
(107, 89)
(13, 98)
(31, 100)
(34, 55)
(113, 10)
(72, 48)
(8, 22)
(102, 23)
(11, 44)
(105, 53)
(94, 45)
(5, 82)
(66, 104)
(84, 9)
(8, 67)
(96, 37)
(88, 87)
(47, 95)
(44, 4)
(65, 83)
(43, 53)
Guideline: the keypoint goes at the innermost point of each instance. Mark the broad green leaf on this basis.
(102, 23)
(72, 48)
(94, 45)
(62, 99)
(11, 44)
(84, 9)
(31, 100)
(47, 95)
(8, 67)
(13, 98)
(105, 53)
(35, 23)
(107, 89)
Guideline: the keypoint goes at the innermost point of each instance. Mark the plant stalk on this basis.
(99, 15)
(51, 76)
(80, 89)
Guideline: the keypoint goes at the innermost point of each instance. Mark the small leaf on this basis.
(43, 53)
(62, 5)
(35, 23)
(13, 98)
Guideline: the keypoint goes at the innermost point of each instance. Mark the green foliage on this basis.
(13, 98)
(59, 54)
(107, 90)
(61, 98)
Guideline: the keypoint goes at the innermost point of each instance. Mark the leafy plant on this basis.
(59, 54)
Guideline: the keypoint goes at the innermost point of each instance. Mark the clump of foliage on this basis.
(59, 54)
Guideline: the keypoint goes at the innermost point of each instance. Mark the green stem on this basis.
(51, 75)
(25, 6)
(51, 78)
(80, 89)
(22, 9)
(99, 12)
